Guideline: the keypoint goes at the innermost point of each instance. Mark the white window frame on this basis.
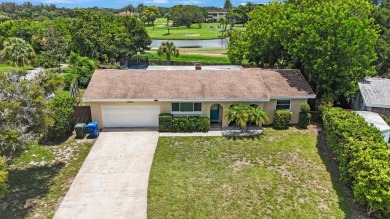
(187, 112)
(289, 105)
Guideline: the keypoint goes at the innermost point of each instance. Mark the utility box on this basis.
(198, 66)
(80, 130)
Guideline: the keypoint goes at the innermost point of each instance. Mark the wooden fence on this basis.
(82, 114)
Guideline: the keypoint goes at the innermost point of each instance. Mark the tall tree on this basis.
(151, 13)
(22, 110)
(227, 5)
(168, 17)
(237, 47)
(129, 9)
(18, 52)
(54, 45)
(140, 9)
(336, 46)
(382, 18)
(168, 48)
(131, 38)
(187, 15)
(331, 41)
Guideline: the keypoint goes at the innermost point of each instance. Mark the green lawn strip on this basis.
(191, 58)
(199, 51)
(40, 177)
(279, 175)
(183, 33)
(6, 67)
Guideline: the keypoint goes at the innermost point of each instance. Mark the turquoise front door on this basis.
(214, 112)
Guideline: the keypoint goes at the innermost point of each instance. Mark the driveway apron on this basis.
(113, 181)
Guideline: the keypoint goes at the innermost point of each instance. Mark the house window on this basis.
(283, 104)
(186, 107)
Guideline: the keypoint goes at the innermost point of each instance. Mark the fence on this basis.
(82, 114)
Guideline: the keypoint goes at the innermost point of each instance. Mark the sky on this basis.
(122, 3)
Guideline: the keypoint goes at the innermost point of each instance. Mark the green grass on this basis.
(40, 177)
(192, 58)
(282, 174)
(183, 33)
(6, 67)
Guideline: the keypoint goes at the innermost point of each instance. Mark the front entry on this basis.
(214, 113)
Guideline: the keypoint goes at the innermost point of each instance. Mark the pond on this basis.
(214, 43)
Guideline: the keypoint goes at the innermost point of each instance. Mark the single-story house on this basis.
(374, 96)
(135, 98)
(376, 120)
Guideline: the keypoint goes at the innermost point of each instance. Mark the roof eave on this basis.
(90, 100)
(377, 105)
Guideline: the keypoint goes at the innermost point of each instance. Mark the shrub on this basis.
(282, 119)
(304, 116)
(62, 110)
(363, 157)
(165, 122)
(190, 124)
(305, 108)
(3, 177)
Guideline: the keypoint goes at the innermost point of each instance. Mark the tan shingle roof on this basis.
(203, 84)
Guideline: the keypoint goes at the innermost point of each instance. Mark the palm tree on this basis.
(167, 16)
(18, 52)
(242, 114)
(168, 48)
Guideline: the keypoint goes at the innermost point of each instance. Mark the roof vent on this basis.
(198, 66)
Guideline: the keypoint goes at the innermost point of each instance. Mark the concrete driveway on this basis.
(113, 181)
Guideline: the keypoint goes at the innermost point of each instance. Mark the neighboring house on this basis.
(125, 13)
(131, 98)
(214, 16)
(376, 120)
(374, 96)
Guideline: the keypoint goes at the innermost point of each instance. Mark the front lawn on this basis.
(281, 174)
(41, 177)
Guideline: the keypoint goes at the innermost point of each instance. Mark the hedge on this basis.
(168, 123)
(363, 158)
(61, 114)
(165, 122)
(281, 119)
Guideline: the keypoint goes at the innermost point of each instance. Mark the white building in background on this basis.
(214, 16)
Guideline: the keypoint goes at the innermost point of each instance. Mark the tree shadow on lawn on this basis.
(47, 142)
(344, 193)
(24, 186)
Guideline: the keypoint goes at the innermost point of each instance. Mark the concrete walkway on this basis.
(113, 181)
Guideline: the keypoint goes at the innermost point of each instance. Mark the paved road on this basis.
(113, 181)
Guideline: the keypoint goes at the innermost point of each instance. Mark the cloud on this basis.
(65, 1)
(188, 2)
(156, 2)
